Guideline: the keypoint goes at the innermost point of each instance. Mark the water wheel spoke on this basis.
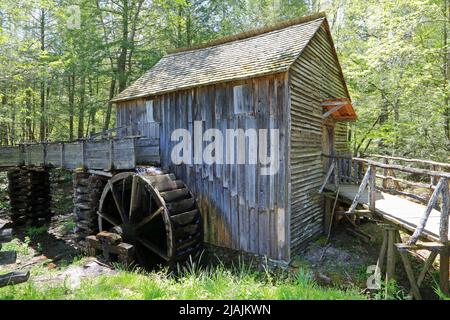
(135, 197)
(152, 248)
(118, 202)
(148, 219)
(109, 218)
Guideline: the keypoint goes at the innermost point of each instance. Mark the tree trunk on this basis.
(82, 106)
(112, 90)
(122, 60)
(42, 84)
(71, 91)
(29, 114)
(446, 58)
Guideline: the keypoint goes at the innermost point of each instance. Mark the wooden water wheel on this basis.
(155, 213)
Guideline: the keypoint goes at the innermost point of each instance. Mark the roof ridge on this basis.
(250, 33)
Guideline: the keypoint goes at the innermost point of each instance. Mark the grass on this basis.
(21, 248)
(33, 232)
(192, 283)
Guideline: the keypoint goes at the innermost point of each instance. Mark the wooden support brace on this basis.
(382, 254)
(327, 177)
(444, 271)
(390, 261)
(410, 274)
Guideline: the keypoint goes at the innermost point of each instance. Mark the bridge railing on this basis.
(396, 179)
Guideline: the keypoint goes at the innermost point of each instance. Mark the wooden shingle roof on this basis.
(251, 54)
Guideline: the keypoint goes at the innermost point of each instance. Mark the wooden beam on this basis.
(331, 111)
(327, 177)
(405, 168)
(361, 189)
(372, 188)
(390, 268)
(444, 271)
(443, 224)
(410, 274)
(334, 103)
(426, 267)
(13, 278)
(423, 220)
(431, 246)
(433, 163)
(382, 254)
(415, 184)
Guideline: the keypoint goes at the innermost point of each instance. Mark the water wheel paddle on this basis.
(155, 213)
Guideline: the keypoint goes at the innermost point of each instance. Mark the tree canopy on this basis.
(61, 61)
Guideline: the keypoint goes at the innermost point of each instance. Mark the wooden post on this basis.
(390, 267)
(443, 225)
(382, 254)
(372, 188)
(327, 217)
(433, 178)
(385, 174)
(336, 174)
(444, 270)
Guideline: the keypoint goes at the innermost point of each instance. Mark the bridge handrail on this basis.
(421, 161)
(393, 166)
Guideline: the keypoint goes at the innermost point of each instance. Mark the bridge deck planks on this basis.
(400, 211)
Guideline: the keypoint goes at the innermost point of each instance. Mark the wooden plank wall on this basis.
(341, 138)
(11, 156)
(241, 209)
(98, 154)
(133, 114)
(314, 77)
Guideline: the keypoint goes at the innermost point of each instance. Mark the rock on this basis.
(322, 279)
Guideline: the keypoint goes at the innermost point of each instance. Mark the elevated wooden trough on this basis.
(104, 154)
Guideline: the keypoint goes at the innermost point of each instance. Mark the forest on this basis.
(61, 61)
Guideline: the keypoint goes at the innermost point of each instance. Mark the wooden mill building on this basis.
(286, 77)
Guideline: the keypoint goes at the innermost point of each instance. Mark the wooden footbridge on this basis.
(413, 198)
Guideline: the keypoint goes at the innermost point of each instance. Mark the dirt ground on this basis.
(50, 248)
(52, 254)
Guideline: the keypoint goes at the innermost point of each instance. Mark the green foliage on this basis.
(393, 53)
(390, 291)
(33, 232)
(18, 246)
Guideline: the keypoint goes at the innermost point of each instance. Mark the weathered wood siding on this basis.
(315, 76)
(136, 118)
(241, 209)
(341, 138)
(133, 116)
(119, 154)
